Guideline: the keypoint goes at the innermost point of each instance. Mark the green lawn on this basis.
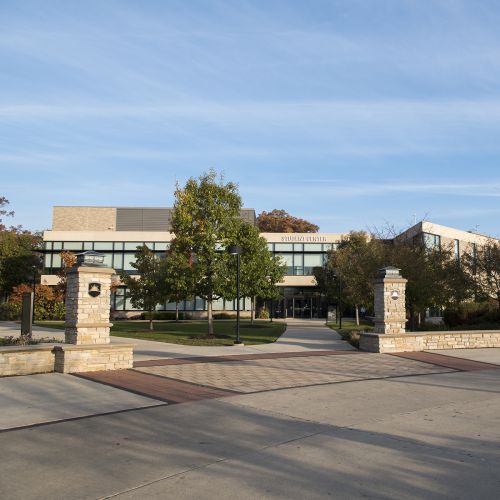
(192, 332)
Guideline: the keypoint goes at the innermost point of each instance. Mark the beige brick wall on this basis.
(17, 360)
(390, 314)
(411, 342)
(83, 218)
(73, 359)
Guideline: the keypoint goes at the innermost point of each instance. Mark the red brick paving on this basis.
(161, 388)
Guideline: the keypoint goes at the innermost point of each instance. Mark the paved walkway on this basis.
(299, 336)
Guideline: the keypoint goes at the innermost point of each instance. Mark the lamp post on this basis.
(237, 250)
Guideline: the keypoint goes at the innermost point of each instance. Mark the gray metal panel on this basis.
(156, 219)
(129, 219)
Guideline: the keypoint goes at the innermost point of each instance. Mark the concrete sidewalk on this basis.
(299, 336)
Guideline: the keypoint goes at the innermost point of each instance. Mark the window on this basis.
(48, 245)
(456, 249)
(162, 246)
(127, 264)
(99, 246)
(56, 260)
(298, 247)
(311, 261)
(270, 247)
(47, 263)
(133, 246)
(432, 241)
(287, 259)
(283, 247)
(298, 264)
(88, 245)
(57, 245)
(118, 261)
(313, 247)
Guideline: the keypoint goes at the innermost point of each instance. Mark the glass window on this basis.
(119, 302)
(99, 246)
(218, 305)
(298, 264)
(150, 245)
(73, 245)
(133, 245)
(313, 247)
(57, 245)
(330, 246)
(298, 247)
(229, 305)
(432, 241)
(118, 245)
(161, 246)
(120, 290)
(128, 261)
(270, 247)
(118, 261)
(48, 245)
(108, 259)
(170, 306)
(189, 305)
(47, 260)
(287, 259)
(129, 306)
(283, 247)
(56, 260)
(88, 245)
(311, 261)
(199, 304)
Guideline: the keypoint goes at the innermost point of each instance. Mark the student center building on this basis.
(116, 233)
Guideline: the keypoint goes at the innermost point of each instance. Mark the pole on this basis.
(34, 293)
(238, 341)
(340, 303)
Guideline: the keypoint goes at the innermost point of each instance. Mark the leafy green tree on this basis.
(148, 288)
(280, 221)
(260, 271)
(483, 268)
(355, 263)
(180, 277)
(205, 221)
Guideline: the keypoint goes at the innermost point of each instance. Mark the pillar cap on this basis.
(389, 272)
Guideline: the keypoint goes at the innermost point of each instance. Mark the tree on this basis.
(260, 271)
(180, 277)
(355, 263)
(17, 257)
(4, 212)
(279, 221)
(148, 288)
(483, 268)
(49, 302)
(205, 219)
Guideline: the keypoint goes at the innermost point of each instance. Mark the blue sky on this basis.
(352, 113)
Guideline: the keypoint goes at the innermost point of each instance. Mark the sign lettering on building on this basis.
(302, 239)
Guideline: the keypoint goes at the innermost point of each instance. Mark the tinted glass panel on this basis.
(283, 247)
(133, 245)
(313, 247)
(103, 245)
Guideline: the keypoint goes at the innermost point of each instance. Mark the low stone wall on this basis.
(64, 358)
(25, 360)
(91, 358)
(423, 341)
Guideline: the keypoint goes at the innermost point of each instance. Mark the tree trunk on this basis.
(356, 307)
(210, 319)
(498, 298)
(151, 319)
(252, 310)
(177, 311)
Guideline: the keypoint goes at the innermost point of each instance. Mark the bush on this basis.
(472, 313)
(10, 312)
(162, 315)
(263, 313)
(224, 316)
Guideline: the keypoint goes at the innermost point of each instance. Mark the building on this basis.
(117, 231)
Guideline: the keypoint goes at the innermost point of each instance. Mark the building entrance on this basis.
(300, 304)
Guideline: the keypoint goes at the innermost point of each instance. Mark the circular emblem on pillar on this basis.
(394, 295)
(94, 289)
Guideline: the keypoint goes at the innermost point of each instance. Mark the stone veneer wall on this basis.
(26, 360)
(390, 314)
(89, 358)
(87, 318)
(423, 341)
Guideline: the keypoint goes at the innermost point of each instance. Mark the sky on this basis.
(353, 114)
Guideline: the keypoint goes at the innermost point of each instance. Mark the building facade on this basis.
(116, 232)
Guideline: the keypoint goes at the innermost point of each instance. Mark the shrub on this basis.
(263, 313)
(223, 315)
(472, 313)
(49, 303)
(10, 312)
(162, 315)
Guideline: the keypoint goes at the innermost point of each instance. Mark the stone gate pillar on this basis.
(390, 309)
(88, 290)
(88, 346)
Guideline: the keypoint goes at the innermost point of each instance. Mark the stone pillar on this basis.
(390, 310)
(88, 292)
